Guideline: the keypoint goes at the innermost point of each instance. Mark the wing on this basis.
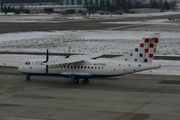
(74, 59)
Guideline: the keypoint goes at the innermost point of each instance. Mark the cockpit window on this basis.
(27, 63)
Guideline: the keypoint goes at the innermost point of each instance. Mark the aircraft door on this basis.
(109, 68)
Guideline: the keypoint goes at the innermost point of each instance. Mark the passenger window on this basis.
(78, 67)
(95, 68)
(85, 67)
(88, 67)
(74, 66)
(92, 67)
(82, 67)
(98, 67)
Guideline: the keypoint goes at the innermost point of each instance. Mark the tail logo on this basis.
(146, 50)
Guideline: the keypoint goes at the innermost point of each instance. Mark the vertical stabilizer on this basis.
(144, 53)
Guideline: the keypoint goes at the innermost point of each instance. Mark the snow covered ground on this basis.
(157, 21)
(110, 42)
(37, 18)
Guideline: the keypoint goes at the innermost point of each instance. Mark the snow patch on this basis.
(110, 42)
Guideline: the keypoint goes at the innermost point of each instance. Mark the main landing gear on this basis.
(76, 80)
(86, 80)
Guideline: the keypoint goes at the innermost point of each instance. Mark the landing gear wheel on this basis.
(76, 81)
(28, 78)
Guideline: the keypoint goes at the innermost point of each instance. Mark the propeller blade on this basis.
(47, 55)
(47, 58)
(47, 69)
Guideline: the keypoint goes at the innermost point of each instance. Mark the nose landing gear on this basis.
(28, 77)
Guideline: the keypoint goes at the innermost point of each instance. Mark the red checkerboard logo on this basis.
(156, 40)
(155, 50)
(141, 45)
(151, 45)
(146, 40)
(151, 55)
(146, 50)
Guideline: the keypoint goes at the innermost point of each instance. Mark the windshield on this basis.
(27, 63)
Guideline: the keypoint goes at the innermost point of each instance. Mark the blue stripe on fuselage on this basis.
(68, 75)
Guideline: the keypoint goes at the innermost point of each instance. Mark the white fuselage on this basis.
(87, 69)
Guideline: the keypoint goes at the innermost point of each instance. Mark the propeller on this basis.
(47, 58)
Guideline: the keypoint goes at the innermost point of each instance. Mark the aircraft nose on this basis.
(20, 68)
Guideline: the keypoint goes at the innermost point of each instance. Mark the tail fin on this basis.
(146, 50)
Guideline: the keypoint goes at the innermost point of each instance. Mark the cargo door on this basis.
(109, 68)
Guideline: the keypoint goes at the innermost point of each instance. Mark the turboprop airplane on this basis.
(88, 66)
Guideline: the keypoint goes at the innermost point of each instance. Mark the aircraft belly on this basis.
(89, 73)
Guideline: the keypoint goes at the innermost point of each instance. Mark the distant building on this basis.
(83, 2)
(61, 2)
(30, 1)
(39, 6)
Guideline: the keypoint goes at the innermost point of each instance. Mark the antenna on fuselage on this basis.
(69, 52)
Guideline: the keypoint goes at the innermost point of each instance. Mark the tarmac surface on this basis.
(90, 24)
(129, 97)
